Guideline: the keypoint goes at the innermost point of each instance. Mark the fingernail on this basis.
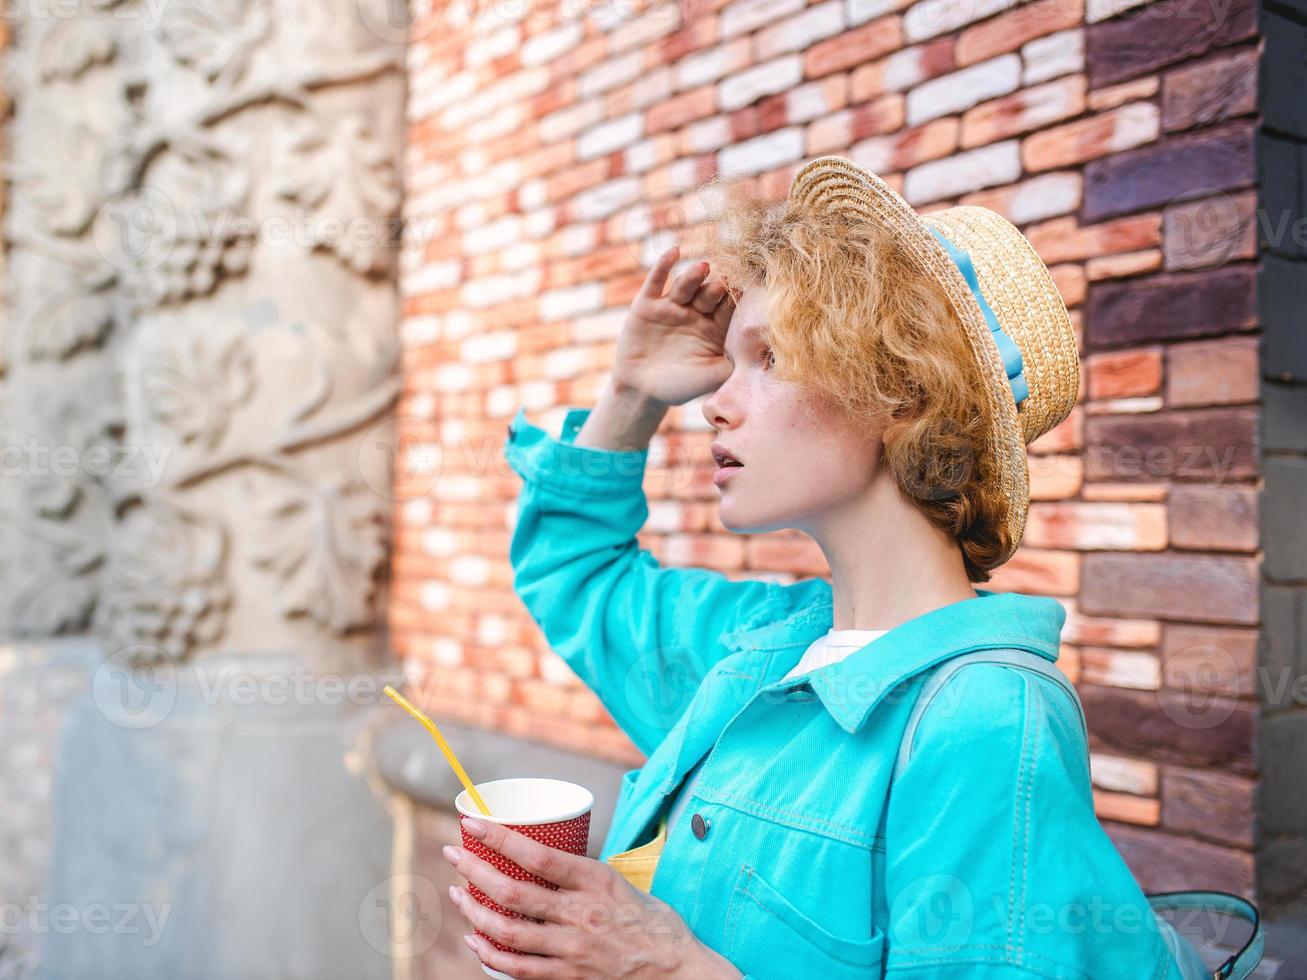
(453, 893)
(451, 853)
(470, 944)
(475, 827)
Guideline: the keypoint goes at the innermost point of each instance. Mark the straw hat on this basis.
(1004, 296)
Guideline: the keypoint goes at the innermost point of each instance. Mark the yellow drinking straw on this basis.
(444, 747)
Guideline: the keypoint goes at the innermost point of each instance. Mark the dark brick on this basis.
(1214, 90)
(1281, 873)
(1196, 164)
(1284, 417)
(1213, 518)
(1210, 444)
(1169, 727)
(1172, 306)
(1284, 526)
(1215, 659)
(1166, 863)
(1169, 585)
(1282, 298)
(1213, 805)
(1285, 71)
(1155, 35)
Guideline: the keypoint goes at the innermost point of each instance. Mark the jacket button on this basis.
(512, 430)
(800, 694)
(699, 824)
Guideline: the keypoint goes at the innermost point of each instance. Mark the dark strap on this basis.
(1243, 962)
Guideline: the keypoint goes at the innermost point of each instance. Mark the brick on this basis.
(1054, 476)
(1165, 862)
(544, 47)
(907, 148)
(1281, 292)
(836, 132)
(961, 173)
(1211, 805)
(1054, 573)
(1120, 668)
(1126, 808)
(1106, 631)
(1023, 111)
(1135, 90)
(1050, 57)
(610, 74)
(1210, 659)
(753, 83)
(801, 30)
(1282, 65)
(787, 552)
(816, 99)
(951, 94)
(1212, 372)
(705, 67)
(1284, 417)
(1163, 33)
(749, 15)
(1214, 90)
(762, 153)
(861, 11)
(1214, 518)
(1096, 526)
(1011, 30)
(1202, 588)
(930, 18)
(1196, 164)
(1211, 231)
(861, 44)
(1171, 306)
(1119, 774)
(1036, 199)
(1095, 136)
(1120, 374)
(681, 109)
(1123, 266)
(901, 70)
(1162, 725)
(616, 134)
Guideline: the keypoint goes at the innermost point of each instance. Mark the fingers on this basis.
(708, 297)
(551, 864)
(514, 964)
(687, 283)
(656, 280)
(521, 934)
(518, 896)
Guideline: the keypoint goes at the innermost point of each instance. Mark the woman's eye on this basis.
(769, 356)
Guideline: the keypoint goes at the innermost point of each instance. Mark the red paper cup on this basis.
(552, 811)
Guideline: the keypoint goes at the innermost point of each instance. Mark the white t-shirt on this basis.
(832, 646)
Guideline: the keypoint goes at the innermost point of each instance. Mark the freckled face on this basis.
(803, 461)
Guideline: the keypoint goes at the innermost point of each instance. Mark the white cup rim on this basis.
(585, 802)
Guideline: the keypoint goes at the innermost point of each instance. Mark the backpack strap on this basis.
(1245, 960)
(1011, 656)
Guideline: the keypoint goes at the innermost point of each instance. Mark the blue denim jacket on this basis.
(986, 860)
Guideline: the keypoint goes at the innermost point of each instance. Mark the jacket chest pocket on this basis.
(766, 936)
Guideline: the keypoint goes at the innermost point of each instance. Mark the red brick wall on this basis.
(544, 139)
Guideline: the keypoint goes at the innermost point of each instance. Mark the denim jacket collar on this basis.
(850, 688)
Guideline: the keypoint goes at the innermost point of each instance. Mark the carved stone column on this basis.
(202, 364)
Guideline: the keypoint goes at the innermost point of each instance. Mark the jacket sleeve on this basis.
(996, 864)
(641, 636)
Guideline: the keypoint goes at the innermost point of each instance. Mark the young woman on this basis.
(813, 805)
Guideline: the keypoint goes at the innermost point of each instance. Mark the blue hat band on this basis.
(1007, 347)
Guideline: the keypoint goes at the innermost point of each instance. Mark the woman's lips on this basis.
(723, 474)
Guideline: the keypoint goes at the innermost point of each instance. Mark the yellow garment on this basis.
(637, 865)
